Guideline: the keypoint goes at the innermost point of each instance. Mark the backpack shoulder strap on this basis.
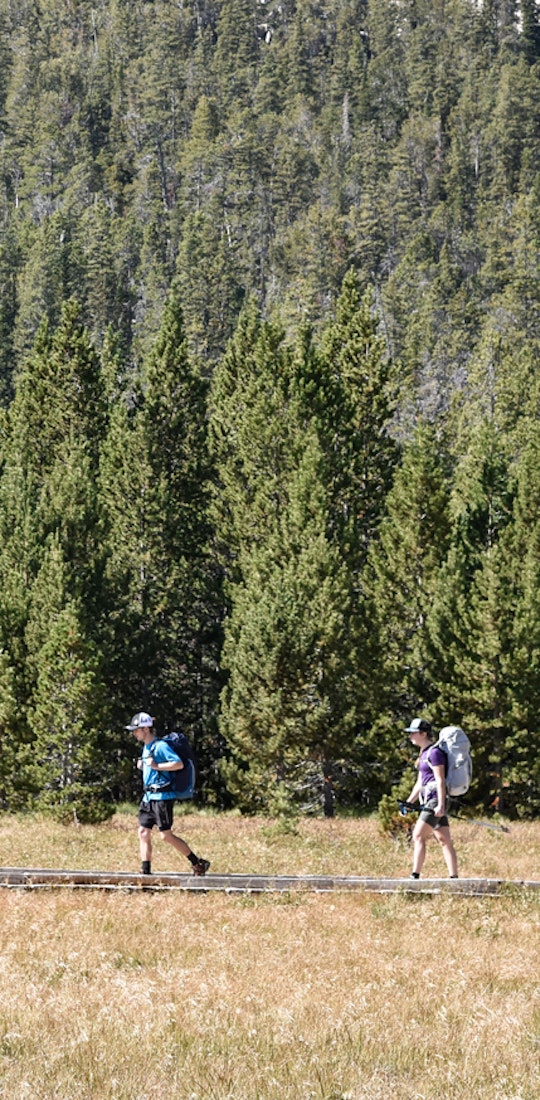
(437, 745)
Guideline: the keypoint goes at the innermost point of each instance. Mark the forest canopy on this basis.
(269, 385)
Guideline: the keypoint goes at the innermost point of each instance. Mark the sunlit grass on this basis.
(343, 846)
(211, 997)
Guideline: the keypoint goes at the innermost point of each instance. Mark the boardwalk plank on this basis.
(34, 878)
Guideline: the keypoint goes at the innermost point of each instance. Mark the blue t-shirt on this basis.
(161, 752)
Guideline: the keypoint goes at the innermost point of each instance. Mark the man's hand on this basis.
(439, 810)
(150, 762)
(140, 764)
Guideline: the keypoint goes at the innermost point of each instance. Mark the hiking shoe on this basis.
(201, 866)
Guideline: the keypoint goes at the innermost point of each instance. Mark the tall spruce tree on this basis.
(520, 547)
(161, 578)
(57, 422)
(253, 438)
(48, 490)
(267, 403)
(402, 570)
(67, 764)
(359, 400)
(470, 622)
(284, 715)
(65, 718)
(353, 407)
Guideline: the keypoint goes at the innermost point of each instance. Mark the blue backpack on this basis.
(182, 782)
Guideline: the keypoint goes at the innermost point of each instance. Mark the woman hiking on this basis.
(430, 788)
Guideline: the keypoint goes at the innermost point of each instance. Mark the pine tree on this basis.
(387, 85)
(48, 491)
(361, 452)
(18, 556)
(160, 575)
(470, 622)
(68, 770)
(9, 262)
(65, 719)
(108, 297)
(520, 546)
(209, 282)
(403, 566)
(271, 409)
(286, 652)
(52, 274)
(530, 29)
(274, 557)
(57, 421)
(236, 52)
(252, 438)
(61, 377)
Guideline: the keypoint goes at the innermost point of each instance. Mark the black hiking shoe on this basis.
(201, 866)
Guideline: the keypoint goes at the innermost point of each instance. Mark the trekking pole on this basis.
(408, 807)
(484, 824)
(487, 825)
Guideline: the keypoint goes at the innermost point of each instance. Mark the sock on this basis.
(193, 859)
(415, 874)
(145, 867)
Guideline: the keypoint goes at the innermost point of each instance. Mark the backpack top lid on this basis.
(453, 735)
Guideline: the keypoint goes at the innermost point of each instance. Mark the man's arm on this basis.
(165, 766)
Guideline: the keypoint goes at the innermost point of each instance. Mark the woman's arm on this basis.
(438, 772)
(415, 791)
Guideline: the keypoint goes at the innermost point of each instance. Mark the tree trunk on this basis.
(328, 794)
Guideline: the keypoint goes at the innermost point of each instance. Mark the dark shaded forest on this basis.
(269, 383)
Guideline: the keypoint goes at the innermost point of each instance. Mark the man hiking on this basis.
(157, 805)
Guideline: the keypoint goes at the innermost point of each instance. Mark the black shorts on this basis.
(157, 811)
(427, 815)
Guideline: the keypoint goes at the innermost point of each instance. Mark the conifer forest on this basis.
(270, 395)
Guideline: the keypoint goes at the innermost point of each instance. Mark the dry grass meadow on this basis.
(138, 996)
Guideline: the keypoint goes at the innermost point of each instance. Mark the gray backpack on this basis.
(457, 748)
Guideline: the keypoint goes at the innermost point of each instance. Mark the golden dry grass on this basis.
(210, 997)
(255, 845)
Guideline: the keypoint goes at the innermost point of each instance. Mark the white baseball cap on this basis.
(140, 720)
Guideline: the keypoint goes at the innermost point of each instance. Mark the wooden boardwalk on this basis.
(32, 878)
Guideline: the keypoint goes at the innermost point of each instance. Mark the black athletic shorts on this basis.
(157, 811)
